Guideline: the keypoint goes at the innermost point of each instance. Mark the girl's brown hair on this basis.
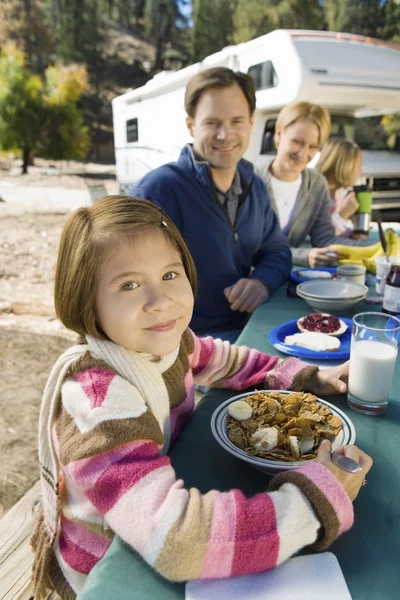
(338, 160)
(88, 233)
(300, 111)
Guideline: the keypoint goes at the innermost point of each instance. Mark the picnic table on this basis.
(368, 554)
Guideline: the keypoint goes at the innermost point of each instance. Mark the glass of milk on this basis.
(374, 343)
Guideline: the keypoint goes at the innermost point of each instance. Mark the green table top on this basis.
(368, 554)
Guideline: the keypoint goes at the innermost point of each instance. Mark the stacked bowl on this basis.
(332, 296)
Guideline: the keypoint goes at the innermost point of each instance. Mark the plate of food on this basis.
(317, 336)
(275, 430)
(308, 274)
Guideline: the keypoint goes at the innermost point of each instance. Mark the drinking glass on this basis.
(374, 344)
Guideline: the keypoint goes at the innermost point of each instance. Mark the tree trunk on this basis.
(26, 160)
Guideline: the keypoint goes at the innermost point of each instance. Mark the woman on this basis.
(299, 195)
(341, 164)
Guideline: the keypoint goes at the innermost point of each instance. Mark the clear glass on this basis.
(373, 353)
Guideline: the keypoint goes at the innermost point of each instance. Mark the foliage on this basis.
(40, 114)
(161, 18)
(363, 17)
(391, 125)
(391, 21)
(256, 17)
(213, 26)
(24, 23)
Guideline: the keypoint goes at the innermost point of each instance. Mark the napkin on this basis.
(301, 578)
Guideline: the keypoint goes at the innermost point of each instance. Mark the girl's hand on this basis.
(348, 205)
(350, 481)
(328, 382)
(322, 257)
(358, 236)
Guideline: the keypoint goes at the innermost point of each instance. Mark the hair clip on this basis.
(162, 222)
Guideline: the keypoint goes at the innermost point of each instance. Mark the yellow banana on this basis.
(356, 252)
(394, 241)
(366, 255)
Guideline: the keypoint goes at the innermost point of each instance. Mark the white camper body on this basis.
(354, 77)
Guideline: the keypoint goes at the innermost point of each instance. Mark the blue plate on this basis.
(278, 334)
(296, 277)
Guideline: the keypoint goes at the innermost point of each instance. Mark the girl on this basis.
(300, 195)
(341, 164)
(114, 404)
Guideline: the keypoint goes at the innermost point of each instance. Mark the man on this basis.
(221, 206)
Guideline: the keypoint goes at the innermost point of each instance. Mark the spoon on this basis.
(345, 463)
(383, 239)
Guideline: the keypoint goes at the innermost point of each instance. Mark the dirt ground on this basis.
(31, 338)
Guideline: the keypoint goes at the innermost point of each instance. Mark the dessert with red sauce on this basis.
(322, 323)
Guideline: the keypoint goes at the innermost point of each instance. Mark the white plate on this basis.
(347, 435)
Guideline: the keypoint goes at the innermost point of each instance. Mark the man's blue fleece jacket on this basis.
(254, 247)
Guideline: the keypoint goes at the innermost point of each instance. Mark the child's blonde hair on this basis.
(338, 160)
(88, 233)
(299, 111)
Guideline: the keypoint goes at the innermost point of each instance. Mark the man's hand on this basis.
(246, 294)
(322, 257)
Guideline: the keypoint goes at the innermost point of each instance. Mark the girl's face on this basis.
(297, 145)
(144, 300)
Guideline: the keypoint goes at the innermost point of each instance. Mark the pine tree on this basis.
(212, 27)
(256, 17)
(23, 22)
(161, 17)
(363, 17)
(391, 21)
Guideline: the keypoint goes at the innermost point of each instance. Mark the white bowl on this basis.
(332, 296)
(333, 290)
(347, 435)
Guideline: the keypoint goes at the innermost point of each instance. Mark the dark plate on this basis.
(296, 277)
(278, 334)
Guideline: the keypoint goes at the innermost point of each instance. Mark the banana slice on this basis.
(264, 439)
(240, 410)
(294, 445)
(306, 445)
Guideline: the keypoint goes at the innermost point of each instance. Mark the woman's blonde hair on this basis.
(87, 235)
(300, 111)
(338, 160)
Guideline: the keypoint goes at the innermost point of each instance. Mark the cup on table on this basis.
(355, 273)
(382, 271)
(373, 351)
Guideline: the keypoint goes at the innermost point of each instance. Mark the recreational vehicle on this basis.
(355, 77)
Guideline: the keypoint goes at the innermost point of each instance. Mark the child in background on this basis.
(341, 163)
(115, 402)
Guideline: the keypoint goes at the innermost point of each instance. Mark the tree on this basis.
(24, 23)
(212, 27)
(41, 115)
(161, 17)
(363, 17)
(391, 21)
(256, 17)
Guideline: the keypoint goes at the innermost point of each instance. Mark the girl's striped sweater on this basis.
(114, 479)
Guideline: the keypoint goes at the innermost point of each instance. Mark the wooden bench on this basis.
(16, 556)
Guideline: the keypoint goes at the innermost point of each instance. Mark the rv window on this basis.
(132, 130)
(264, 75)
(268, 144)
